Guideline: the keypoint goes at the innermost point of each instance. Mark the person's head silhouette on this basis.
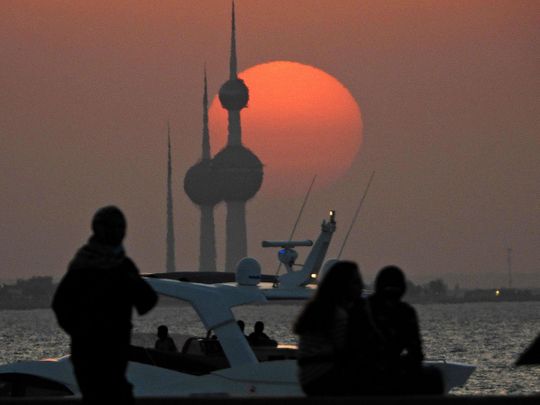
(162, 331)
(390, 283)
(341, 284)
(259, 327)
(109, 226)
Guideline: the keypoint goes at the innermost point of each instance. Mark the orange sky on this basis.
(449, 95)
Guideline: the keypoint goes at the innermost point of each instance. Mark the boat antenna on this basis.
(299, 216)
(355, 215)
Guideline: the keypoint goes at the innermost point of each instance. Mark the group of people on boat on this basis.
(353, 345)
(255, 338)
(165, 343)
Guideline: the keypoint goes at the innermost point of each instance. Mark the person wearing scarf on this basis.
(93, 304)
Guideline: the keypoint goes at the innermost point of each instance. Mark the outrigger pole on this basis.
(302, 207)
(356, 215)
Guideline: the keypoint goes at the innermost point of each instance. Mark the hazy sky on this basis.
(449, 92)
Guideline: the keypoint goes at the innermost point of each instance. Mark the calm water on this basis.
(489, 335)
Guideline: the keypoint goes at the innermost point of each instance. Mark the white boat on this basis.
(226, 366)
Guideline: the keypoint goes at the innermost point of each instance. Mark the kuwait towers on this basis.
(234, 175)
(170, 255)
(202, 187)
(239, 170)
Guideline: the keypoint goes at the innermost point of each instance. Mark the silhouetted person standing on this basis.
(93, 304)
(323, 332)
(165, 343)
(397, 322)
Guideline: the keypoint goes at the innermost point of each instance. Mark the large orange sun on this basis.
(300, 121)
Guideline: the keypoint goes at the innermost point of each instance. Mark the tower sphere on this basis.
(240, 173)
(234, 94)
(202, 185)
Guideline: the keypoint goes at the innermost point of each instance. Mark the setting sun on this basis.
(300, 121)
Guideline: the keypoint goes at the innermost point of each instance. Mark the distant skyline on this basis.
(449, 98)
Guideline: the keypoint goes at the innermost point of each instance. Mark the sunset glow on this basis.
(300, 121)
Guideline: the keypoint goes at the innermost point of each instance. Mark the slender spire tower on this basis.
(171, 260)
(203, 188)
(240, 171)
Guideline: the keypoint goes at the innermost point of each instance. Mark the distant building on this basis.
(35, 292)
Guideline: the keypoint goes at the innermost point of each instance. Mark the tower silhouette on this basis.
(239, 170)
(170, 253)
(203, 188)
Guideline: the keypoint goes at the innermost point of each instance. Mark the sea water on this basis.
(488, 335)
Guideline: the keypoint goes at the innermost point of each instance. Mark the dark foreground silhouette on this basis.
(349, 345)
(323, 366)
(93, 304)
(400, 344)
(531, 355)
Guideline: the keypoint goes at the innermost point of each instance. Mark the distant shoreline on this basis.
(166, 303)
(37, 293)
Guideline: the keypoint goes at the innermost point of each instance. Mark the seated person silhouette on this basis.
(259, 338)
(165, 343)
(398, 323)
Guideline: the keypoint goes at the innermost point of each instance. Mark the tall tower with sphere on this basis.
(239, 170)
(203, 188)
(170, 250)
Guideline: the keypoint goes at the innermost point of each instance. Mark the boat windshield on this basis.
(199, 351)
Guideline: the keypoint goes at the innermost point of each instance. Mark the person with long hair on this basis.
(323, 329)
